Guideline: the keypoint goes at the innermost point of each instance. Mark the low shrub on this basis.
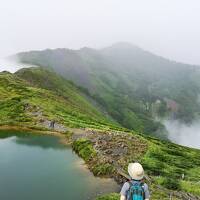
(84, 149)
(103, 169)
(171, 183)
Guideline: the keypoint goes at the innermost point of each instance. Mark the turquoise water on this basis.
(37, 167)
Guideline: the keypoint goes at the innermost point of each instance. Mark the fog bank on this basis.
(187, 135)
(11, 66)
(166, 28)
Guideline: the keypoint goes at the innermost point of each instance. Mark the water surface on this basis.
(39, 167)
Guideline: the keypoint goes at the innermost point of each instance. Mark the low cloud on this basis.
(187, 135)
(11, 66)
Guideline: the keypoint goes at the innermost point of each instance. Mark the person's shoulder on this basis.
(125, 188)
(126, 184)
(145, 186)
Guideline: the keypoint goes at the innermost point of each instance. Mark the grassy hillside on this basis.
(34, 97)
(164, 162)
(133, 85)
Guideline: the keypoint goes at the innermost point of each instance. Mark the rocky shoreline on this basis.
(110, 151)
(106, 153)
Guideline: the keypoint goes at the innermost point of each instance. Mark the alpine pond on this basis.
(40, 167)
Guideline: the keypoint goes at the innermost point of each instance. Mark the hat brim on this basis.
(135, 176)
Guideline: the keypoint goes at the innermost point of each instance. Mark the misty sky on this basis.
(170, 28)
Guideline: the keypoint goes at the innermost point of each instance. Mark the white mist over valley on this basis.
(187, 135)
(11, 65)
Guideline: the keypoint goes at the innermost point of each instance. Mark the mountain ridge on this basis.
(130, 83)
(33, 97)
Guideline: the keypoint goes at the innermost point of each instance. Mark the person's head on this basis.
(136, 171)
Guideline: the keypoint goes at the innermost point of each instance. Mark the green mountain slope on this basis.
(34, 97)
(133, 85)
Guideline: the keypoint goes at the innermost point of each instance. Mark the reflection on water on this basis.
(39, 167)
(40, 141)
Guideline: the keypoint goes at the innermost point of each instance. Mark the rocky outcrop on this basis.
(41, 120)
(113, 149)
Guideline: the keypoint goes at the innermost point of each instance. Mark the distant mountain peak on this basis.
(87, 49)
(123, 45)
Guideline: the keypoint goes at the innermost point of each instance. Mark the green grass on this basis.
(85, 149)
(166, 162)
(103, 169)
(191, 187)
(46, 93)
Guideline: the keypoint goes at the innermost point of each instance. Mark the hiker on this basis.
(135, 188)
(52, 124)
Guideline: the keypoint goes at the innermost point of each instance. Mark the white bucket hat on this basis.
(136, 171)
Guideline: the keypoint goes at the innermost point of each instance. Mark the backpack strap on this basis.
(131, 182)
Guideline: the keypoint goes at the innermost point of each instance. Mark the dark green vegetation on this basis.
(33, 97)
(84, 149)
(133, 85)
(167, 162)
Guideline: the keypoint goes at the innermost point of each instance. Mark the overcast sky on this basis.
(170, 28)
